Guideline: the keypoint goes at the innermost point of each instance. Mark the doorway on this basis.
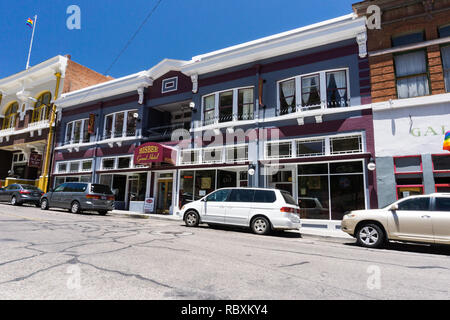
(164, 201)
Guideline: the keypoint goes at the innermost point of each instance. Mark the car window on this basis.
(12, 187)
(101, 188)
(30, 187)
(241, 195)
(218, 196)
(307, 203)
(264, 196)
(442, 204)
(60, 188)
(421, 204)
(288, 198)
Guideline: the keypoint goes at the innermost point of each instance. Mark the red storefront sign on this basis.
(35, 160)
(154, 152)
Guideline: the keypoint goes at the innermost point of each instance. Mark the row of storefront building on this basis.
(342, 116)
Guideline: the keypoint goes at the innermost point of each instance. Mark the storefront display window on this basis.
(441, 172)
(205, 182)
(137, 187)
(328, 190)
(408, 176)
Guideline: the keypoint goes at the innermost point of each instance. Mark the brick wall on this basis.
(78, 77)
(398, 19)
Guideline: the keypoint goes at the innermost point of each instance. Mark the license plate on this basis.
(104, 198)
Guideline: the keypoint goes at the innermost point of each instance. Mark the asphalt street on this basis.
(57, 255)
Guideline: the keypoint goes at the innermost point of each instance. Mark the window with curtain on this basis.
(287, 97)
(10, 116)
(120, 124)
(77, 132)
(337, 89)
(132, 117)
(226, 106)
(445, 55)
(311, 92)
(411, 74)
(209, 103)
(41, 109)
(245, 104)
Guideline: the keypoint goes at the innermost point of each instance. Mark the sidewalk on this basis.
(324, 233)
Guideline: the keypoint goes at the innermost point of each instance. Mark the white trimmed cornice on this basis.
(329, 31)
(34, 76)
(106, 89)
(164, 67)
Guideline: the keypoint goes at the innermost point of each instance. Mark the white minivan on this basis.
(262, 210)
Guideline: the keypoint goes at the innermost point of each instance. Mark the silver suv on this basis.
(78, 197)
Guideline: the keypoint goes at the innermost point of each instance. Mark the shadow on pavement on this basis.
(413, 247)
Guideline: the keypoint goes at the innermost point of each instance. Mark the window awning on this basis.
(152, 152)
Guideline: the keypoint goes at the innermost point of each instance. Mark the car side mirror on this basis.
(394, 207)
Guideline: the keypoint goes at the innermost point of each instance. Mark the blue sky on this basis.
(178, 29)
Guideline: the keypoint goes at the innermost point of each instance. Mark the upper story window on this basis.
(411, 69)
(41, 109)
(231, 105)
(77, 132)
(10, 116)
(121, 124)
(287, 96)
(320, 90)
(445, 56)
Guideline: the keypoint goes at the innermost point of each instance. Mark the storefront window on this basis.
(328, 190)
(408, 176)
(205, 182)
(243, 179)
(137, 187)
(226, 179)
(186, 187)
(441, 172)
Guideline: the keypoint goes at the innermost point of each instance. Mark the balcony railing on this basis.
(163, 132)
(119, 134)
(7, 132)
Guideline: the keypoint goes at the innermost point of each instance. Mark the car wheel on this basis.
(103, 212)
(44, 204)
(260, 225)
(192, 219)
(370, 236)
(75, 207)
(14, 201)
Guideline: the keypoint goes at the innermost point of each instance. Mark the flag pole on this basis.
(31, 43)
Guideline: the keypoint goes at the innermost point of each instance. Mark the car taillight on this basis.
(94, 197)
(111, 198)
(290, 210)
(24, 192)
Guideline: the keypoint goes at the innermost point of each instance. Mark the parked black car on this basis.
(18, 194)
